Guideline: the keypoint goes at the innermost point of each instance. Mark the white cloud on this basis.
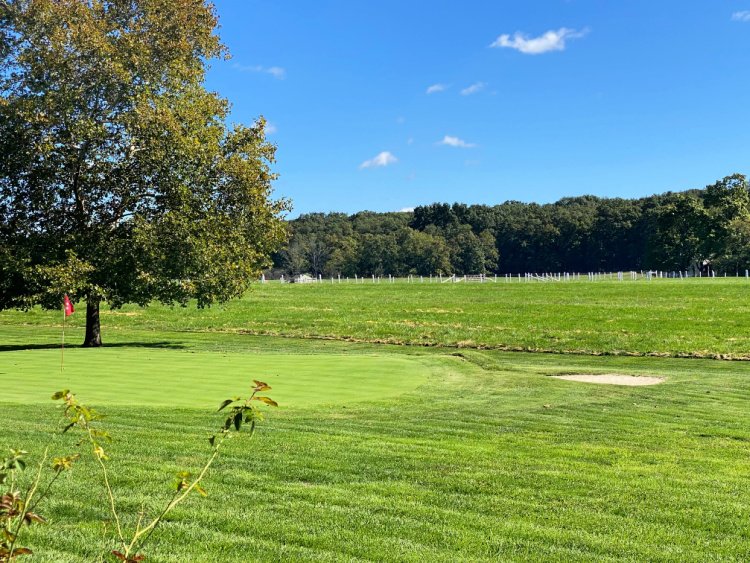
(549, 41)
(406, 210)
(473, 89)
(436, 88)
(383, 159)
(276, 71)
(743, 16)
(456, 142)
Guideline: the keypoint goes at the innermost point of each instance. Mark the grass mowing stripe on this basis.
(486, 459)
(472, 467)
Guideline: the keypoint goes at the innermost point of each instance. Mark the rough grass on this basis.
(694, 318)
(485, 458)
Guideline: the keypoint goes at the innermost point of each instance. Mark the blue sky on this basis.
(391, 104)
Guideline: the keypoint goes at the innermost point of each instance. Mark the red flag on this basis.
(68, 306)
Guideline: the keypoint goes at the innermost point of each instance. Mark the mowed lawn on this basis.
(664, 317)
(147, 376)
(383, 452)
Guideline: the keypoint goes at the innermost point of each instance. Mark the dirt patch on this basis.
(612, 379)
(121, 313)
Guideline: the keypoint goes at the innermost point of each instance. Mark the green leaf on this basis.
(101, 434)
(212, 440)
(60, 394)
(267, 400)
(238, 420)
(225, 404)
(64, 463)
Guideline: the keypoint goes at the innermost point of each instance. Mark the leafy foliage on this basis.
(86, 420)
(119, 178)
(673, 231)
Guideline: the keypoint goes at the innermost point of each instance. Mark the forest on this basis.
(674, 231)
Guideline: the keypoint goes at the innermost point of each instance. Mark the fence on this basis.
(528, 277)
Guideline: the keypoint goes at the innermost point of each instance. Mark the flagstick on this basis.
(62, 347)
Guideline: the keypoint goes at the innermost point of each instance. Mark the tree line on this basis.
(706, 228)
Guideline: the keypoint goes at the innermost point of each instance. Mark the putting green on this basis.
(157, 377)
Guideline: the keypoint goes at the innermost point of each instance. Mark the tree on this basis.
(119, 178)
(317, 252)
(491, 254)
(727, 204)
(466, 250)
(736, 252)
(617, 238)
(678, 239)
(699, 225)
(344, 258)
(424, 254)
(293, 259)
(379, 255)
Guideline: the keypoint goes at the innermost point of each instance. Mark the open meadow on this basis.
(455, 447)
(664, 317)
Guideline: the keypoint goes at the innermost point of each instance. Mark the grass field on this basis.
(184, 378)
(695, 318)
(410, 453)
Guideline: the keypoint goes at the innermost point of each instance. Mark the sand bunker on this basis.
(612, 379)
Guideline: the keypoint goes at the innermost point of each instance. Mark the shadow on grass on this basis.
(19, 347)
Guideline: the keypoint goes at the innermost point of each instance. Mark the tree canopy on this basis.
(119, 177)
(672, 231)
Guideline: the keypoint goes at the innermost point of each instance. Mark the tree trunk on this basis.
(93, 330)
